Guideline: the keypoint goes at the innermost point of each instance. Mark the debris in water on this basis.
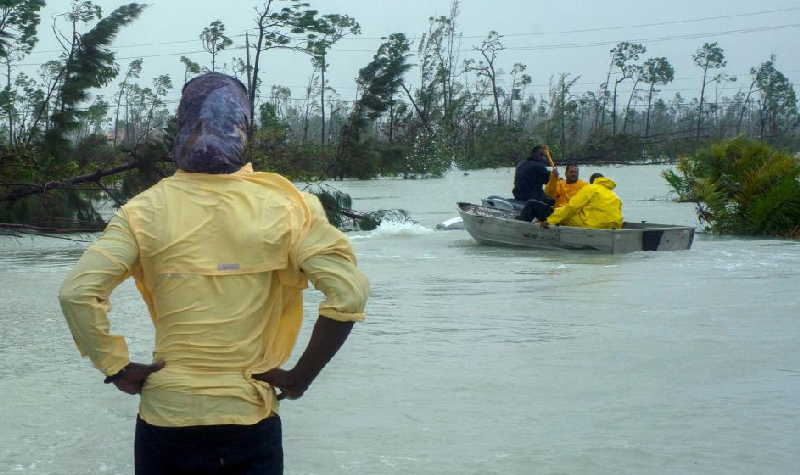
(338, 207)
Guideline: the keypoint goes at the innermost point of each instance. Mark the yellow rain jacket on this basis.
(221, 262)
(594, 206)
(561, 191)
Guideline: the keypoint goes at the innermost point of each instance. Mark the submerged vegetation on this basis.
(339, 210)
(742, 186)
(421, 107)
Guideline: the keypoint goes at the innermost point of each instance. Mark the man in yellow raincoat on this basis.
(594, 206)
(220, 255)
(562, 190)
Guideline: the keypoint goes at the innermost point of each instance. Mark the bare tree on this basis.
(489, 49)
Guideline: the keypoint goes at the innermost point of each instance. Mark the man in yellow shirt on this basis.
(594, 206)
(562, 190)
(220, 255)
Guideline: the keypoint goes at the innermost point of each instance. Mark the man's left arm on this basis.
(326, 258)
(84, 298)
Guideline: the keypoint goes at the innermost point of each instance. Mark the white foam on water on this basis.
(394, 229)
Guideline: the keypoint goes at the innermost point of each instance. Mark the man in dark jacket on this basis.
(530, 177)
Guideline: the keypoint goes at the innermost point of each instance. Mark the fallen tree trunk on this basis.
(93, 177)
(86, 228)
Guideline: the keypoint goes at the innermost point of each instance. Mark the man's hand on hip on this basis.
(291, 384)
(132, 377)
(326, 339)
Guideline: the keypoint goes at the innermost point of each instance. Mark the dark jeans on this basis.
(205, 450)
(536, 209)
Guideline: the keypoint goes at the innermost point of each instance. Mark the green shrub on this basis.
(742, 186)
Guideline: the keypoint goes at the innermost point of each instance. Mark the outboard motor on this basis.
(503, 204)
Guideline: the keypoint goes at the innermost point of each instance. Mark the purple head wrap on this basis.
(213, 118)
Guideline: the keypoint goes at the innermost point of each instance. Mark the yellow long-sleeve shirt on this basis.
(221, 262)
(561, 191)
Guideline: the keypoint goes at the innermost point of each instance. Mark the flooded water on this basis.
(474, 359)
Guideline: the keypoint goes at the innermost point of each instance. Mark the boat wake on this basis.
(391, 228)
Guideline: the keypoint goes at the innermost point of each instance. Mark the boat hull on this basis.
(497, 227)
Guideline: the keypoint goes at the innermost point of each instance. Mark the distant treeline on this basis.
(62, 151)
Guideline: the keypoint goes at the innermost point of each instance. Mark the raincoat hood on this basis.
(606, 182)
(213, 119)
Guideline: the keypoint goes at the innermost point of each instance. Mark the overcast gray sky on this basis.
(170, 28)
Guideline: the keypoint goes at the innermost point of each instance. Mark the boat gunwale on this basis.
(649, 226)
